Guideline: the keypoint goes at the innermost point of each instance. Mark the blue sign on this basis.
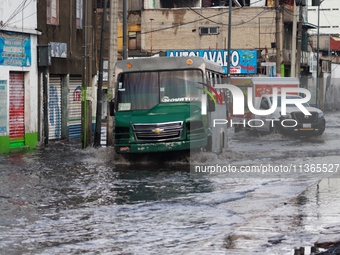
(3, 106)
(242, 61)
(15, 49)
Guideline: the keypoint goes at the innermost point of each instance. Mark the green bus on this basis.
(158, 104)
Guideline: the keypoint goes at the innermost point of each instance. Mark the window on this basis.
(79, 14)
(180, 86)
(138, 91)
(134, 41)
(144, 90)
(208, 30)
(52, 12)
(100, 4)
(264, 104)
(288, 97)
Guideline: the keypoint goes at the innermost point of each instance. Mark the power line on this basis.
(19, 9)
(190, 22)
(22, 19)
(223, 24)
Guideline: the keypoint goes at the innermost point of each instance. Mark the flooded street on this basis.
(65, 200)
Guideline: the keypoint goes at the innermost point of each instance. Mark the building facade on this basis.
(63, 75)
(253, 27)
(18, 75)
(329, 17)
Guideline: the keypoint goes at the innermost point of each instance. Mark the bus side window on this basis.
(213, 77)
(208, 74)
(121, 89)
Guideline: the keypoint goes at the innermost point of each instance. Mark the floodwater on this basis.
(65, 200)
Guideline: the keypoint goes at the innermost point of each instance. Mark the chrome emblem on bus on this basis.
(157, 130)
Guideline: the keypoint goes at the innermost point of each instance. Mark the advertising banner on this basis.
(242, 61)
(3, 106)
(15, 49)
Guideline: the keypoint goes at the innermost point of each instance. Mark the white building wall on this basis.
(25, 15)
(258, 3)
(329, 16)
(22, 18)
(31, 89)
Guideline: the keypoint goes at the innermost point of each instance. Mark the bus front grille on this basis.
(158, 131)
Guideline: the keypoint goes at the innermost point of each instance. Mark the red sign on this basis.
(268, 89)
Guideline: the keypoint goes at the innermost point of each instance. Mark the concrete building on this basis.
(329, 17)
(192, 28)
(18, 75)
(164, 27)
(62, 51)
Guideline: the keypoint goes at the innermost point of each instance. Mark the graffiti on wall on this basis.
(55, 116)
(3, 106)
(77, 94)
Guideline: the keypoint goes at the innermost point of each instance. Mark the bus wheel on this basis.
(208, 147)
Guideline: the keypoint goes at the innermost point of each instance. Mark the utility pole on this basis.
(229, 43)
(277, 35)
(329, 55)
(151, 36)
(124, 29)
(278, 43)
(45, 105)
(293, 58)
(86, 111)
(97, 133)
(317, 60)
(299, 44)
(113, 54)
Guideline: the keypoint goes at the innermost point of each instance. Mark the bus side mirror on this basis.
(211, 105)
(112, 107)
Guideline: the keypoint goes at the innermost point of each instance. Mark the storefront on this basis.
(18, 91)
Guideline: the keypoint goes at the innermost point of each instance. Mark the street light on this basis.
(314, 3)
(229, 43)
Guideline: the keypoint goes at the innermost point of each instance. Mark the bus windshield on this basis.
(144, 90)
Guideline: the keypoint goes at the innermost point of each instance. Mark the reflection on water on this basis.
(65, 200)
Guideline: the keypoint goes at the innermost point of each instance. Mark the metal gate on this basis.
(16, 109)
(54, 106)
(74, 122)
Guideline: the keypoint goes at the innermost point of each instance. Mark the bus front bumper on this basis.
(160, 146)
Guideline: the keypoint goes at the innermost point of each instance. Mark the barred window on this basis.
(100, 4)
(208, 30)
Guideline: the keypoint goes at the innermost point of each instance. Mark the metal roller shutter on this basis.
(74, 122)
(16, 109)
(54, 107)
